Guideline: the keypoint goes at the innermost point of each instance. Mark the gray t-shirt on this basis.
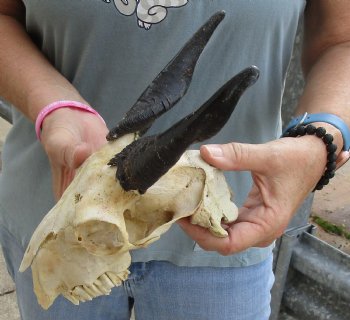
(111, 50)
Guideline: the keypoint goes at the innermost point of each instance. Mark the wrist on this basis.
(335, 132)
(342, 155)
(335, 125)
(312, 131)
(59, 105)
(47, 93)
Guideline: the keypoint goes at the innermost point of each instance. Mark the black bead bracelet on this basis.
(320, 132)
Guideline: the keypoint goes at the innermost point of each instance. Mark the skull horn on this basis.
(169, 86)
(144, 161)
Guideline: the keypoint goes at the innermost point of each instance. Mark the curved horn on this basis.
(169, 86)
(144, 161)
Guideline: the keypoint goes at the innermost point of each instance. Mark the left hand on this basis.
(69, 137)
(284, 172)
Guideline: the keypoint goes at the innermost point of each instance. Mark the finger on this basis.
(241, 236)
(244, 235)
(202, 236)
(56, 182)
(236, 156)
(80, 154)
(207, 241)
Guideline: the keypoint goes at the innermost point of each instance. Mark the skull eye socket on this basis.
(141, 224)
(99, 237)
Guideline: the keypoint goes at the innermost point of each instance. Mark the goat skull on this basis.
(81, 249)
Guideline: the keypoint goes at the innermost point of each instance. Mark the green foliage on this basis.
(331, 227)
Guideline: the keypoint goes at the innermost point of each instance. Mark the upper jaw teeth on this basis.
(102, 286)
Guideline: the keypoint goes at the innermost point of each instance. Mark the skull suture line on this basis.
(81, 247)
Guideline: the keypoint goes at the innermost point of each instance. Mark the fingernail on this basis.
(215, 150)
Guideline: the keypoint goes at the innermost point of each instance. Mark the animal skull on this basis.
(81, 249)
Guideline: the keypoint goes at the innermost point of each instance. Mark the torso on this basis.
(111, 51)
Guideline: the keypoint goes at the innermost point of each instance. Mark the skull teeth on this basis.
(92, 290)
(117, 280)
(102, 286)
(81, 294)
(71, 298)
(107, 282)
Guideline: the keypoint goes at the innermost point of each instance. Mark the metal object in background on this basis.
(283, 252)
(318, 286)
(312, 277)
(5, 111)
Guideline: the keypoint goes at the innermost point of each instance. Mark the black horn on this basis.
(169, 86)
(144, 161)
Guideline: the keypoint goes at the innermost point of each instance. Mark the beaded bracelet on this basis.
(320, 132)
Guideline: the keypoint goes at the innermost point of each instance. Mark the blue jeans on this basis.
(157, 290)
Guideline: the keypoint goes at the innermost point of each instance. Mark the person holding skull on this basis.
(48, 60)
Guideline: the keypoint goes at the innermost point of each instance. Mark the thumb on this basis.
(235, 156)
(77, 154)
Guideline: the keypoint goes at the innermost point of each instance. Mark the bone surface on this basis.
(81, 249)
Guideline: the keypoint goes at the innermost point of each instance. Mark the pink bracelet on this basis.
(58, 105)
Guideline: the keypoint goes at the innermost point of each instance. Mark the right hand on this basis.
(69, 137)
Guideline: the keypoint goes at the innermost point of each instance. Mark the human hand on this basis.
(284, 172)
(69, 136)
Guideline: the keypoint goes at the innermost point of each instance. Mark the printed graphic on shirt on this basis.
(148, 12)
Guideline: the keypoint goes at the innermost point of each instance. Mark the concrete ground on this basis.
(331, 204)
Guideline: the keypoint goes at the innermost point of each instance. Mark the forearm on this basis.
(326, 61)
(327, 84)
(27, 79)
(327, 87)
